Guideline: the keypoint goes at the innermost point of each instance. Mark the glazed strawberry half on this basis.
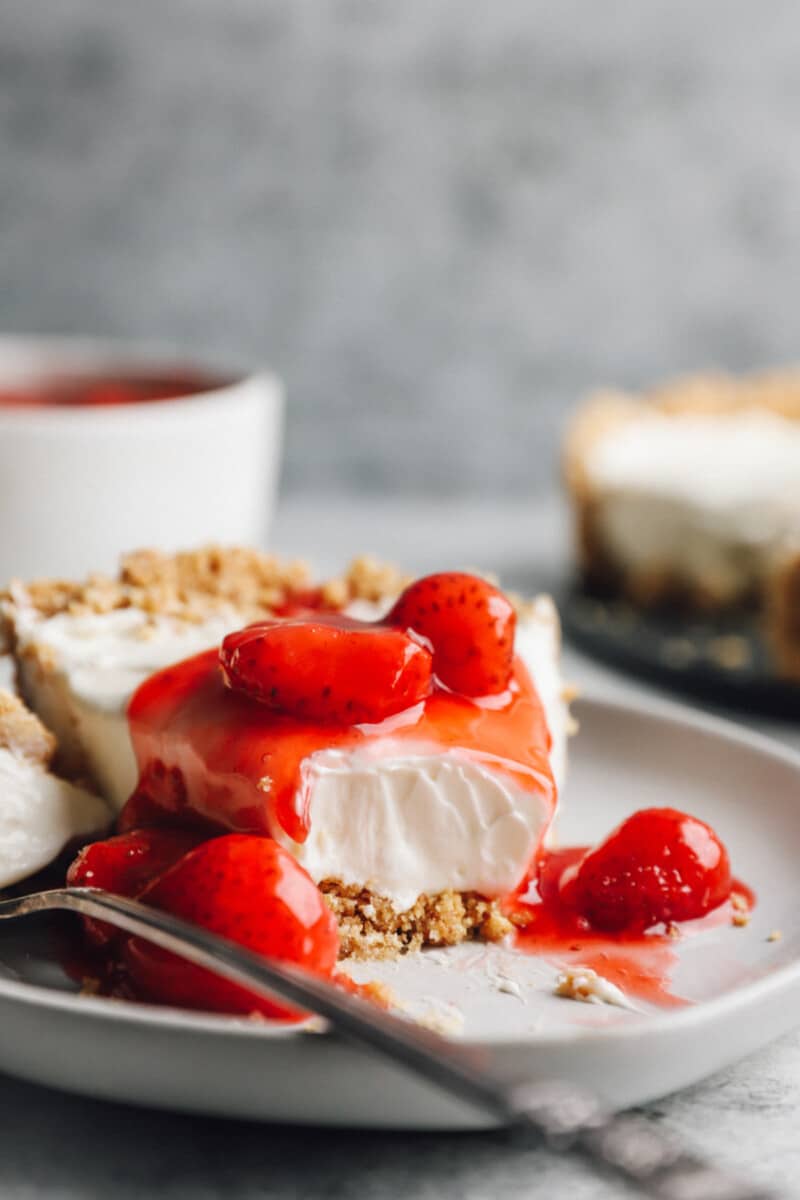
(469, 626)
(328, 668)
(248, 889)
(658, 866)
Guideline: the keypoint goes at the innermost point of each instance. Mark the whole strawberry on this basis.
(248, 889)
(469, 625)
(658, 866)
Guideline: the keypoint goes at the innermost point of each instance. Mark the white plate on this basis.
(746, 988)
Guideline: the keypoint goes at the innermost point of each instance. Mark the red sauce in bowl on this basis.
(105, 391)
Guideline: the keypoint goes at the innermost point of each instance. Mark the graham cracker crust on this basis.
(783, 615)
(23, 733)
(370, 927)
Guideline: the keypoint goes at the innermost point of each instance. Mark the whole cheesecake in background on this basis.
(413, 839)
(689, 496)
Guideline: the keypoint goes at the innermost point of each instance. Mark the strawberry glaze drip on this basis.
(640, 964)
(208, 754)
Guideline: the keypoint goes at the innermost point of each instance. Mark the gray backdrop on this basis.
(441, 221)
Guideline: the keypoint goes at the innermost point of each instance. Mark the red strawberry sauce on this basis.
(211, 754)
(641, 964)
(100, 392)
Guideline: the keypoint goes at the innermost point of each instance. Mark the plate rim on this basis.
(680, 716)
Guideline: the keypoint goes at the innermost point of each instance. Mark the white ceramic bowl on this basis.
(79, 485)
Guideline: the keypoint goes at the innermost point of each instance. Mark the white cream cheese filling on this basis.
(700, 495)
(79, 672)
(405, 821)
(39, 815)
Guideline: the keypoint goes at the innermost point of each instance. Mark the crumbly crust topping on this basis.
(23, 733)
(370, 927)
(193, 585)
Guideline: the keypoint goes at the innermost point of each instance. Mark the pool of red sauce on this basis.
(93, 391)
(640, 964)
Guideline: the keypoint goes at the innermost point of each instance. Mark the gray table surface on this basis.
(61, 1146)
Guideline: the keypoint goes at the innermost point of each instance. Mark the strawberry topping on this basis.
(248, 889)
(210, 755)
(329, 668)
(469, 626)
(658, 866)
(127, 864)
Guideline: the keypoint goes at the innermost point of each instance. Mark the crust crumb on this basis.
(23, 733)
(335, 593)
(731, 652)
(368, 578)
(775, 935)
(740, 910)
(586, 985)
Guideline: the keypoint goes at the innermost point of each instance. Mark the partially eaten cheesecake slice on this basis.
(415, 827)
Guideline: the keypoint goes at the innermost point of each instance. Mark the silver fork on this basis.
(562, 1116)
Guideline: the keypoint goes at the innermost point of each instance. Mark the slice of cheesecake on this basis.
(690, 492)
(81, 648)
(413, 840)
